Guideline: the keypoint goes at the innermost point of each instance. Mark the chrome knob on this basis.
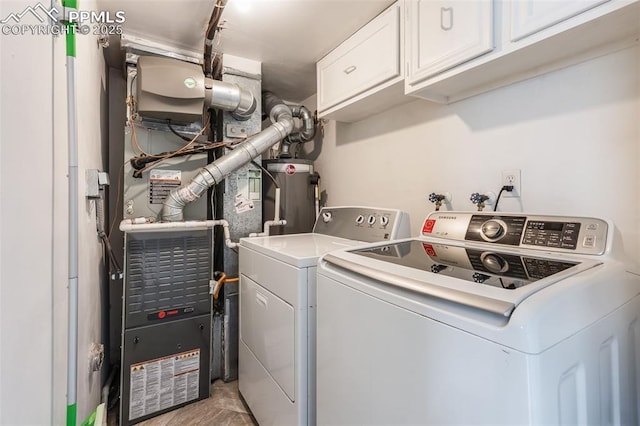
(360, 219)
(494, 262)
(371, 220)
(492, 230)
(384, 220)
(326, 217)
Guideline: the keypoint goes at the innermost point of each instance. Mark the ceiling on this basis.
(287, 36)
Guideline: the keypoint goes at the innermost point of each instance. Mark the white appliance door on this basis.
(380, 364)
(268, 330)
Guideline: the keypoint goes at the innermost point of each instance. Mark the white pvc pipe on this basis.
(268, 224)
(72, 348)
(276, 214)
(136, 225)
(276, 219)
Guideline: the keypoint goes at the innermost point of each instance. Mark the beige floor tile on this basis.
(224, 408)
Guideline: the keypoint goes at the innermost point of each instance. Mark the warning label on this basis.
(161, 182)
(249, 190)
(164, 382)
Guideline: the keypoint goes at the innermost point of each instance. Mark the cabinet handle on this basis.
(261, 300)
(350, 69)
(446, 11)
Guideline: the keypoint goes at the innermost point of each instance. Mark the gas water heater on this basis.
(298, 192)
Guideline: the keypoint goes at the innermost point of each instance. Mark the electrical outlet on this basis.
(513, 178)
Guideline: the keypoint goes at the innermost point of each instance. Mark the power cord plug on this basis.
(508, 188)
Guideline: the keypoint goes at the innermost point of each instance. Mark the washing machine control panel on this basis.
(555, 233)
(363, 223)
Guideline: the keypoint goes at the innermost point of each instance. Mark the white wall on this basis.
(574, 133)
(33, 224)
(26, 226)
(92, 81)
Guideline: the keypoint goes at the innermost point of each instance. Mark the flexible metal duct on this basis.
(242, 154)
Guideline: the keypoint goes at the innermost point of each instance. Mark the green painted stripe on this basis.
(71, 415)
(71, 29)
(71, 40)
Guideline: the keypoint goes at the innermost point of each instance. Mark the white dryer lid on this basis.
(299, 250)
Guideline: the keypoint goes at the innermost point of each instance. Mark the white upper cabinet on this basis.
(460, 48)
(531, 16)
(364, 74)
(446, 33)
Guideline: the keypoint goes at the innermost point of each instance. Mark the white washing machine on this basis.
(277, 308)
(486, 319)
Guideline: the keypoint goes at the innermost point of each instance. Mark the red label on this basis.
(428, 248)
(428, 226)
(290, 169)
(174, 312)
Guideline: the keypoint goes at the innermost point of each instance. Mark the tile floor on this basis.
(224, 408)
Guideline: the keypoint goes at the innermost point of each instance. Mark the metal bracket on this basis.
(96, 181)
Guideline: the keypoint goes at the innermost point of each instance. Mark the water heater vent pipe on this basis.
(305, 134)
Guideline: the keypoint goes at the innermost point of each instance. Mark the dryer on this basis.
(277, 308)
(494, 319)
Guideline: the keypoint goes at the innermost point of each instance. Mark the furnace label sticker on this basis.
(161, 383)
(161, 182)
(249, 190)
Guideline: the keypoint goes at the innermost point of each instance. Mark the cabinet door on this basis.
(446, 33)
(368, 58)
(531, 16)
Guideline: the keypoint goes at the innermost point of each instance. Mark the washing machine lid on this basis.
(467, 274)
(299, 250)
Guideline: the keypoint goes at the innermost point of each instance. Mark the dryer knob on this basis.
(384, 220)
(371, 220)
(360, 219)
(492, 230)
(326, 217)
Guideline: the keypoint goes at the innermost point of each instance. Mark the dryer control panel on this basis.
(556, 233)
(366, 224)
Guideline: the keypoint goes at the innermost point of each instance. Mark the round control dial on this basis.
(384, 220)
(371, 220)
(360, 219)
(326, 217)
(494, 262)
(493, 230)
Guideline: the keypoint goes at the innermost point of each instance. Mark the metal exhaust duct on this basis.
(214, 173)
